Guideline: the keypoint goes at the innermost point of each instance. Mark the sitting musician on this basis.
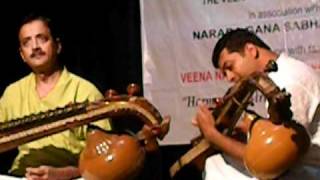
(48, 86)
(240, 53)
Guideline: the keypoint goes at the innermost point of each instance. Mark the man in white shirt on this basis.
(238, 54)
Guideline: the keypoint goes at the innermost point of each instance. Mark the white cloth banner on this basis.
(177, 41)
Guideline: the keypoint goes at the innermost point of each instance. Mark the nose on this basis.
(231, 76)
(35, 44)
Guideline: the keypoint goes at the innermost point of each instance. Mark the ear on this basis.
(22, 55)
(59, 46)
(251, 50)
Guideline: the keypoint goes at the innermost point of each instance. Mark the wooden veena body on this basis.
(274, 148)
(112, 157)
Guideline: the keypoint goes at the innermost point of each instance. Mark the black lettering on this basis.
(196, 35)
(212, 33)
(191, 101)
(204, 34)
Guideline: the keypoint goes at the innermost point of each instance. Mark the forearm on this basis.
(227, 144)
(68, 172)
(53, 173)
(206, 122)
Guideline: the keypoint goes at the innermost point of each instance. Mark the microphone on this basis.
(271, 66)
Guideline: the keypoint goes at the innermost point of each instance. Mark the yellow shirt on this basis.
(21, 99)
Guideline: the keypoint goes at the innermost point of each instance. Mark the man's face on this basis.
(37, 47)
(235, 65)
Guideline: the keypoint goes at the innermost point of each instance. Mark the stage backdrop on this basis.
(177, 41)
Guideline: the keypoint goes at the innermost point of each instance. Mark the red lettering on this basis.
(183, 77)
(219, 75)
(315, 66)
(195, 77)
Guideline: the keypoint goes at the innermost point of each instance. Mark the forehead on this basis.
(225, 56)
(33, 28)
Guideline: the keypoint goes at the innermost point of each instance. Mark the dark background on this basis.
(101, 42)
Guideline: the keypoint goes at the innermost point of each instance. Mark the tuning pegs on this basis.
(133, 89)
(110, 93)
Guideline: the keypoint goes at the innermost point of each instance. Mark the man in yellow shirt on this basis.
(48, 86)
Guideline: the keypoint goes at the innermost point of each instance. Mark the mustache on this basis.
(37, 52)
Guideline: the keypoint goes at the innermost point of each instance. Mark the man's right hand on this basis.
(52, 173)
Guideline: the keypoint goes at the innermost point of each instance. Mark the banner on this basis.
(178, 38)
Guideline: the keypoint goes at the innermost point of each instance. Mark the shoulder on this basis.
(298, 78)
(84, 87)
(18, 85)
(289, 63)
(82, 82)
(12, 96)
(291, 70)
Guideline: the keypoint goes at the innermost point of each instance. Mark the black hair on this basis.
(234, 41)
(45, 19)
